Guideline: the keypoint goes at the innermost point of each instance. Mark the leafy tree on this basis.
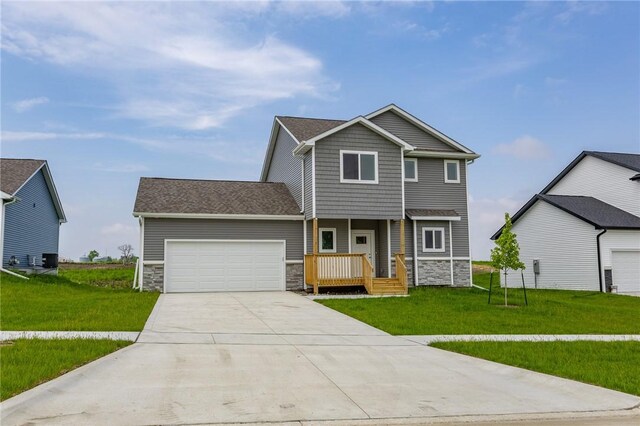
(506, 254)
(127, 252)
(92, 255)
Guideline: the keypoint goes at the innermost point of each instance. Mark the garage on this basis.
(626, 271)
(224, 265)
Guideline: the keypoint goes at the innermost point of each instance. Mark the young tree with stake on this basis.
(506, 254)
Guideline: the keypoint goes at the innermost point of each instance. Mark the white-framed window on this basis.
(358, 167)
(411, 169)
(451, 171)
(433, 240)
(327, 240)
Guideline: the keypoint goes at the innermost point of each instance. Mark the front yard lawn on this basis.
(51, 303)
(100, 275)
(27, 363)
(431, 310)
(613, 365)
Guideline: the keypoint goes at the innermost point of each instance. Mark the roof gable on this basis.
(16, 172)
(213, 197)
(303, 129)
(421, 125)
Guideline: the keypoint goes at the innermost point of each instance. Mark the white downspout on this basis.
(389, 248)
(451, 252)
(141, 259)
(415, 254)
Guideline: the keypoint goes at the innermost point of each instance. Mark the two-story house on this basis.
(338, 203)
(582, 231)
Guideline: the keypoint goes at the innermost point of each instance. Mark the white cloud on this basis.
(574, 8)
(120, 167)
(524, 148)
(314, 9)
(119, 229)
(486, 217)
(10, 136)
(185, 65)
(27, 104)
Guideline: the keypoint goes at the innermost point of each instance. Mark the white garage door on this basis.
(626, 271)
(206, 266)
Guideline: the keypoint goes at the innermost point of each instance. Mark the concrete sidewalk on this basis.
(278, 357)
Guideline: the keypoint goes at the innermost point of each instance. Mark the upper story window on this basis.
(411, 169)
(358, 166)
(432, 239)
(451, 171)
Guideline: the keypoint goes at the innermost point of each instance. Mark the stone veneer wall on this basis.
(438, 272)
(152, 277)
(295, 276)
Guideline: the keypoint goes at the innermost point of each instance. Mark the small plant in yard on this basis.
(506, 254)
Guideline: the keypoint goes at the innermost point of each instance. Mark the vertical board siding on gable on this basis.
(285, 167)
(354, 200)
(565, 245)
(308, 185)
(603, 180)
(30, 230)
(410, 133)
(430, 192)
(157, 230)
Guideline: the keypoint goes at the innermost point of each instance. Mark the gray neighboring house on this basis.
(582, 231)
(31, 213)
(356, 181)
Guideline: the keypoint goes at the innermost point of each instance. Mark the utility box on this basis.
(536, 266)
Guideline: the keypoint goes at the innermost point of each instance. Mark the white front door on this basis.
(364, 242)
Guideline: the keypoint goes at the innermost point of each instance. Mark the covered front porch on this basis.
(348, 252)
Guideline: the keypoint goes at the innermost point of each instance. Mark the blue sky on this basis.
(109, 92)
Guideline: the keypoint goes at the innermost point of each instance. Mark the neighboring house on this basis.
(583, 229)
(31, 214)
(354, 182)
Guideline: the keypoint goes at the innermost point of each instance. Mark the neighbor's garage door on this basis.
(626, 271)
(206, 266)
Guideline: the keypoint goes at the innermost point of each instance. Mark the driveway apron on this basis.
(276, 357)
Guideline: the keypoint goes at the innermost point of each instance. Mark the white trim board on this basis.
(440, 218)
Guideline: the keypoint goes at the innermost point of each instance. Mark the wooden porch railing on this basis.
(336, 269)
(401, 271)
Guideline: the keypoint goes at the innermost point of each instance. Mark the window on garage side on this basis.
(327, 239)
(432, 239)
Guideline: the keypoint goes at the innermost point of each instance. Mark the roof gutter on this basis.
(217, 216)
(600, 259)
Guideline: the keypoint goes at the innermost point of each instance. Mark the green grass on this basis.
(47, 303)
(613, 365)
(115, 277)
(27, 363)
(465, 311)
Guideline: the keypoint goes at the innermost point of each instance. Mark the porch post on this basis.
(315, 255)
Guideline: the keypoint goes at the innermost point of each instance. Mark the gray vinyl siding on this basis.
(419, 237)
(354, 200)
(410, 133)
(382, 242)
(157, 230)
(308, 185)
(284, 167)
(430, 192)
(32, 224)
(342, 233)
(408, 237)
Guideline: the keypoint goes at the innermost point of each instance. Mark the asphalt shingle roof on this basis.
(431, 212)
(630, 161)
(14, 172)
(306, 128)
(594, 211)
(159, 195)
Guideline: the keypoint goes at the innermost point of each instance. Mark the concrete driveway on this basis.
(276, 357)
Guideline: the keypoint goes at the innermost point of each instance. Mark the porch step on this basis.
(387, 286)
